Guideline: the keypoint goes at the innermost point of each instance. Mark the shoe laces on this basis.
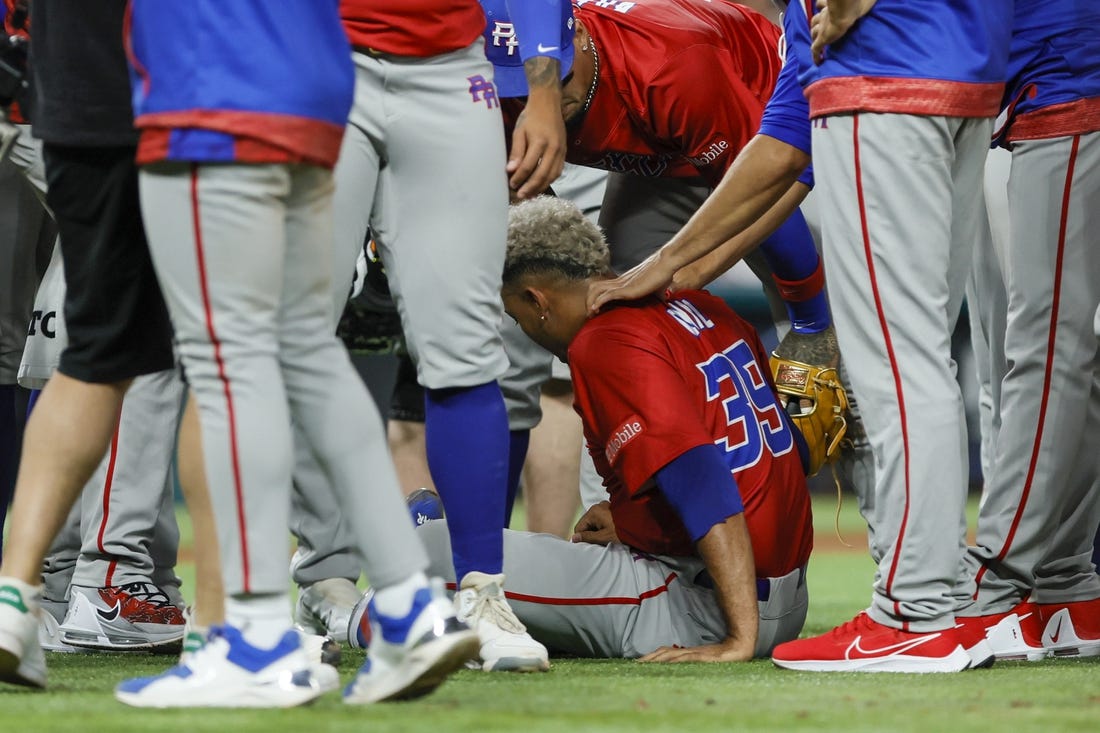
(146, 593)
(489, 604)
(851, 626)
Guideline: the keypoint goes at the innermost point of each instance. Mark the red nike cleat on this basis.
(1013, 636)
(864, 645)
(1071, 629)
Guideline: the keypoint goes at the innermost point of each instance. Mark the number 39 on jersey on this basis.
(753, 416)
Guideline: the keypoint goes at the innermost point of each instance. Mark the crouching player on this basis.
(700, 554)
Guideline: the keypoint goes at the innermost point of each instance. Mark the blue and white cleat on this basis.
(411, 656)
(424, 506)
(228, 672)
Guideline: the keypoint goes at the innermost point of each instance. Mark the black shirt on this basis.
(81, 80)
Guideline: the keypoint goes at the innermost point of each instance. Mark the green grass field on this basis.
(584, 695)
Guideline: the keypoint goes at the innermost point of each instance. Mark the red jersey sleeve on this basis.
(636, 405)
(696, 79)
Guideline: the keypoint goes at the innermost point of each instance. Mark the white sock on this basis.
(29, 593)
(396, 600)
(262, 619)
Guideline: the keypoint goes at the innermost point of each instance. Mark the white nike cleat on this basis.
(1071, 629)
(411, 656)
(1011, 636)
(50, 616)
(505, 644)
(21, 659)
(325, 607)
(228, 672)
(131, 617)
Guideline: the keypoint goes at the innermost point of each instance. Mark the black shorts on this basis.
(115, 315)
(407, 401)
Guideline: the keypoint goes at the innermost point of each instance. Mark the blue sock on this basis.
(517, 454)
(795, 263)
(466, 430)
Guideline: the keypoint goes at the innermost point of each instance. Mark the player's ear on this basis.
(537, 298)
(580, 35)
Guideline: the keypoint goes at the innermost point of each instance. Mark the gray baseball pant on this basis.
(244, 258)
(422, 165)
(124, 528)
(595, 601)
(900, 206)
(1041, 504)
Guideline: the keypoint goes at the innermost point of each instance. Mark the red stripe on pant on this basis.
(1048, 367)
(242, 525)
(893, 364)
(108, 482)
(595, 601)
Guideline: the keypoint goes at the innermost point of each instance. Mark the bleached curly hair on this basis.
(551, 235)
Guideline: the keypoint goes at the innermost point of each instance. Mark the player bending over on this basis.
(701, 552)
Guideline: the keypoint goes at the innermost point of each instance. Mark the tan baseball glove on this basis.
(804, 369)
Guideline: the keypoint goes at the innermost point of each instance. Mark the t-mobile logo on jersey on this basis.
(504, 34)
(711, 154)
(688, 316)
(631, 428)
(483, 89)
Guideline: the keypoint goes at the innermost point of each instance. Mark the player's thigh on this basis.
(356, 178)
(217, 236)
(305, 314)
(639, 214)
(968, 213)
(886, 187)
(1054, 210)
(441, 217)
(529, 367)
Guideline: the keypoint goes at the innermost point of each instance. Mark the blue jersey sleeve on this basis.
(787, 115)
(539, 26)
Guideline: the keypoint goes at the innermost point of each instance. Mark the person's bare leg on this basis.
(209, 606)
(65, 439)
(410, 455)
(551, 473)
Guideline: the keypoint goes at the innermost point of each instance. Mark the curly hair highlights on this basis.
(551, 235)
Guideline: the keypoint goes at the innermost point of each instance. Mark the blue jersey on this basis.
(1053, 71)
(787, 114)
(922, 57)
(249, 81)
(518, 30)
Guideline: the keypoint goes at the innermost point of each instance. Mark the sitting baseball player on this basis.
(700, 554)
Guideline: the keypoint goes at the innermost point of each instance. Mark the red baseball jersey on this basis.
(682, 86)
(412, 27)
(655, 379)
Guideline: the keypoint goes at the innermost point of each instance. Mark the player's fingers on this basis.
(549, 167)
(527, 165)
(818, 49)
(656, 655)
(519, 150)
(666, 654)
(596, 296)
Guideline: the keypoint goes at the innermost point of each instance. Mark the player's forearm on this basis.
(759, 178)
(544, 86)
(727, 551)
(707, 268)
